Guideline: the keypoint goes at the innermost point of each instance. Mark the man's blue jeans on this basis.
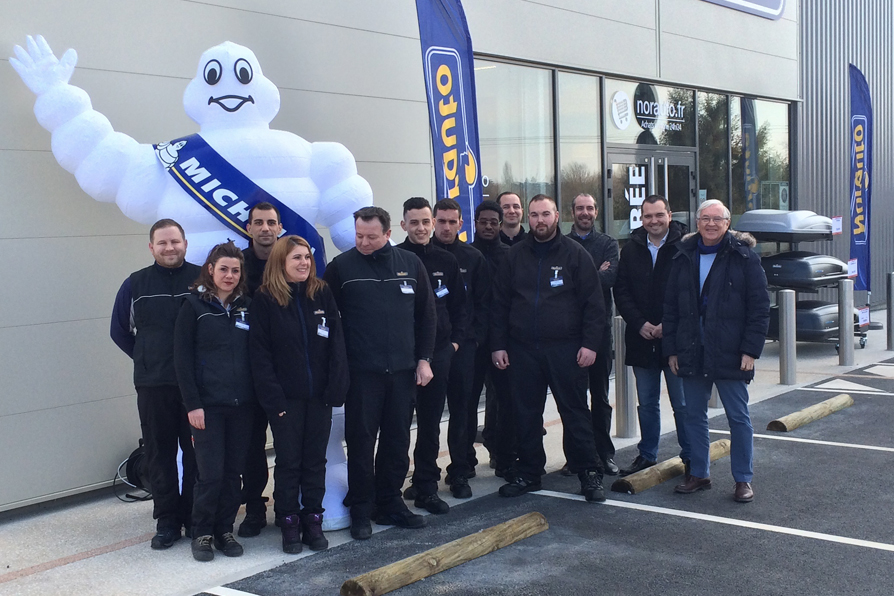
(648, 391)
(734, 395)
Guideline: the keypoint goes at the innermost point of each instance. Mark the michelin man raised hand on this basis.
(233, 103)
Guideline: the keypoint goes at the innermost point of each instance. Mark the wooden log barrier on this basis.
(814, 412)
(663, 471)
(412, 569)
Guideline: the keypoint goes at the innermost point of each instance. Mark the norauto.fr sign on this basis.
(769, 9)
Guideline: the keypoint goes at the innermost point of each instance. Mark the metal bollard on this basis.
(714, 401)
(785, 300)
(846, 322)
(625, 402)
(890, 300)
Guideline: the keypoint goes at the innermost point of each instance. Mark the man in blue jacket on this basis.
(716, 314)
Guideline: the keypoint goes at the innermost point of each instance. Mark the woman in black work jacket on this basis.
(214, 374)
(299, 365)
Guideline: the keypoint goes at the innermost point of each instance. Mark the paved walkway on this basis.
(99, 545)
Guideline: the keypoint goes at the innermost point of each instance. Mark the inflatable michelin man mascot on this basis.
(208, 181)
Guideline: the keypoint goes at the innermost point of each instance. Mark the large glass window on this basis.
(713, 146)
(580, 143)
(761, 174)
(646, 114)
(515, 129)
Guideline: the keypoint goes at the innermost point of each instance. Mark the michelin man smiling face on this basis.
(230, 90)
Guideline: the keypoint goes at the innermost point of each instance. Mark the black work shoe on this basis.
(411, 493)
(226, 543)
(565, 471)
(201, 549)
(611, 468)
(506, 474)
(640, 463)
(403, 518)
(290, 526)
(361, 528)
(518, 487)
(460, 488)
(312, 531)
(432, 503)
(164, 538)
(450, 480)
(252, 524)
(591, 486)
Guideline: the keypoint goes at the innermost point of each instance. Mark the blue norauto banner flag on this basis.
(861, 174)
(450, 87)
(749, 154)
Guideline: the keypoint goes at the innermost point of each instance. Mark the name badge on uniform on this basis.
(406, 288)
(556, 281)
(241, 323)
(441, 290)
(322, 329)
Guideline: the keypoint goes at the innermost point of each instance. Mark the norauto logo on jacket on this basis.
(450, 116)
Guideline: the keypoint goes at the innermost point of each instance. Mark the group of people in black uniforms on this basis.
(220, 350)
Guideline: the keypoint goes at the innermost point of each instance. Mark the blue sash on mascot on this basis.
(228, 194)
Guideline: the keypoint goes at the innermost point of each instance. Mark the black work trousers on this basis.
(600, 407)
(300, 438)
(220, 457)
(499, 421)
(378, 405)
(429, 411)
(463, 425)
(531, 372)
(164, 425)
(256, 474)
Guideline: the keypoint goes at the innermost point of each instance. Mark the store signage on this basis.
(654, 114)
(635, 193)
(860, 149)
(769, 9)
(620, 110)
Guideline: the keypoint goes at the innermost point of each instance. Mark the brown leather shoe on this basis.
(744, 492)
(693, 484)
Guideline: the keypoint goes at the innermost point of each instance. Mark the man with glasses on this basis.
(547, 325)
(639, 293)
(604, 250)
(499, 434)
(716, 314)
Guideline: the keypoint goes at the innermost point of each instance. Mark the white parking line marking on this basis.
(873, 392)
(844, 385)
(730, 522)
(813, 441)
(222, 591)
(882, 370)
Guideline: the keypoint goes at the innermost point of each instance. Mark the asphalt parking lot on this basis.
(821, 521)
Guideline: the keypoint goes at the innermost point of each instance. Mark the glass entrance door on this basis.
(631, 176)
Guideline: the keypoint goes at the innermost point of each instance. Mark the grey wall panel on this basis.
(51, 453)
(605, 36)
(44, 366)
(834, 34)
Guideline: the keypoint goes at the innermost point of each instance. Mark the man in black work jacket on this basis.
(547, 326)
(264, 227)
(142, 326)
(450, 303)
(604, 250)
(511, 230)
(448, 221)
(388, 310)
(499, 425)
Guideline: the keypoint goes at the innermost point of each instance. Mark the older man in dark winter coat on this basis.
(716, 314)
(639, 293)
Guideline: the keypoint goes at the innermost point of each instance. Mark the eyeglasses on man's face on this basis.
(488, 223)
(713, 220)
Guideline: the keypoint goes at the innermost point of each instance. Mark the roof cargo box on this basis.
(802, 270)
(774, 225)
(815, 320)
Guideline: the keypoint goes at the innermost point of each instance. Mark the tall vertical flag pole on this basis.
(449, 70)
(861, 175)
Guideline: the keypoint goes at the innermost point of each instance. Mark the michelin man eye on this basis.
(243, 71)
(212, 72)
